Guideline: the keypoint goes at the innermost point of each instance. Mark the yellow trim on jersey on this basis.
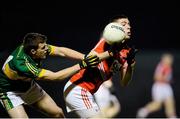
(52, 50)
(31, 68)
(11, 74)
(41, 74)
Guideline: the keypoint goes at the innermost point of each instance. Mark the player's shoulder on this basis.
(100, 46)
(101, 43)
(20, 56)
(18, 52)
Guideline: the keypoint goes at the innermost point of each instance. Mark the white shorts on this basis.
(80, 101)
(13, 98)
(161, 91)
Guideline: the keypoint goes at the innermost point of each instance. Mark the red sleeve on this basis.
(99, 46)
(123, 55)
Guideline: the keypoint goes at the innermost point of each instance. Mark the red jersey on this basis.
(91, 79)
(165, 71)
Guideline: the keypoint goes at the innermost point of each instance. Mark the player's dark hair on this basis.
(116, 17)
(32, 40)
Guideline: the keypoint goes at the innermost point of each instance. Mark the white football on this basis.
(113, 33)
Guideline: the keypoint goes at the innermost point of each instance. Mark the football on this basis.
(113, 33)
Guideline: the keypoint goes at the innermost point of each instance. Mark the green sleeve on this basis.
(25, 68)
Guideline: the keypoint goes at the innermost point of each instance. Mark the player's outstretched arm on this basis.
(103, 55)
(67, 52)
(90, 61)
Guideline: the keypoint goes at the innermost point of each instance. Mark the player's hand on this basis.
(90, 61)
(131, 55)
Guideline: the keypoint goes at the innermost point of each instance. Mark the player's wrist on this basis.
(82, 64)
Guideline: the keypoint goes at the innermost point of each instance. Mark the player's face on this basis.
(42, 51)
(126, 25)
(167, 60)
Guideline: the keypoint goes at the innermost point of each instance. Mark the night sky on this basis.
(77, 24)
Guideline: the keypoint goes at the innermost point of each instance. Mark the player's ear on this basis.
(33, 51)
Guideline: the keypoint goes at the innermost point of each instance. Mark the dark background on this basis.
(77, 25)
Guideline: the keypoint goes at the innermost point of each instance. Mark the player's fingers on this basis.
(93, 58)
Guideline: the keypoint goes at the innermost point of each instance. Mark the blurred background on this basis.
(78, 24)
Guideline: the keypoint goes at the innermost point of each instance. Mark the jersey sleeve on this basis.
(100, 46)
(27, 69)
(51, 49)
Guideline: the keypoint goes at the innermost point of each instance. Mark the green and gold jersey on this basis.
(19, 70)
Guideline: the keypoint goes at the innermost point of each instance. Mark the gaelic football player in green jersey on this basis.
(22, 68)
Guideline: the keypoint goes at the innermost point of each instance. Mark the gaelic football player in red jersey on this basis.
(162, 92)
(79, 90)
